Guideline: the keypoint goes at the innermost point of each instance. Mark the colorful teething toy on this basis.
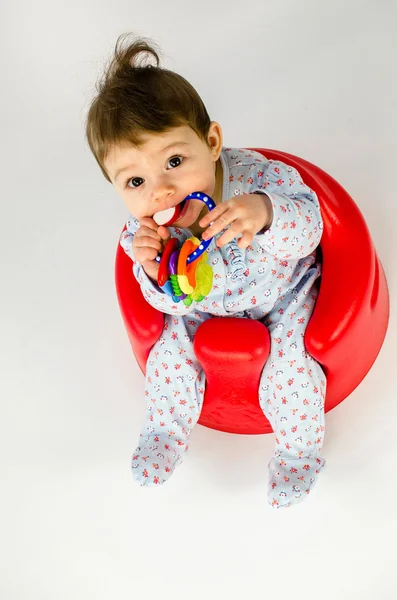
(184, 272)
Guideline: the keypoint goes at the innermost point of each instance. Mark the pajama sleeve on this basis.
(152, 293)
(297, 225)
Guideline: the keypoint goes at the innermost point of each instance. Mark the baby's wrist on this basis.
(269, 214)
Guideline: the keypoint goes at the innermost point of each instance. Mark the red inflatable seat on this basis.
(344, 335)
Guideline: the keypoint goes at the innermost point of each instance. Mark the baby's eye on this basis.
(175, 161)
(134, 179)
(177, 158)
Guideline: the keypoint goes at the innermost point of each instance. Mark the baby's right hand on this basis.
(148, 241)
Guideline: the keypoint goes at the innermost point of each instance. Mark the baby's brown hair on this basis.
(133, 99)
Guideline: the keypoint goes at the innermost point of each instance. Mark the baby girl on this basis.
(152, 137)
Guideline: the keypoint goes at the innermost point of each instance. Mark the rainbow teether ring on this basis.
(177, 276)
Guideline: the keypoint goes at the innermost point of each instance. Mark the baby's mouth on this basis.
(171, 215)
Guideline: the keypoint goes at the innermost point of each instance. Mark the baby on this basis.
(154, 141)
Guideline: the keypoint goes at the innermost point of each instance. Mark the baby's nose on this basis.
(162, 193)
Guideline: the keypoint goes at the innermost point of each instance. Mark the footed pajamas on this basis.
(274, 280)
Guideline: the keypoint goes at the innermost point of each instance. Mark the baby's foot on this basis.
(154, 463)
(290, 481)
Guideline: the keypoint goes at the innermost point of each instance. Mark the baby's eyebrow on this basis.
(175, 144)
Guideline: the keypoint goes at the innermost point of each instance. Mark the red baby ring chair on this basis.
(344, 335)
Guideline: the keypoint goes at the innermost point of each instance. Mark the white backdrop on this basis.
(317, 79)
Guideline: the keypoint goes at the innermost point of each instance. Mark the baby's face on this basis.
(164, 170)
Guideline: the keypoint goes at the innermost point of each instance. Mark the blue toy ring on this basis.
(203, 243)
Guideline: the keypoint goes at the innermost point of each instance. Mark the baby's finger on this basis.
(214, 214)
(148, 222)
(221, 221)
(230, 234)
(163, 232)
(209, 217)
(147, 232)
(147, 240)
(148, 255)
(245, 240)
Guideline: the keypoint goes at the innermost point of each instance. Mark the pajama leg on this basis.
(175, 384)
(291, 394)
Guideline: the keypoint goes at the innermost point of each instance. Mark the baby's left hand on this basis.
(248, 214)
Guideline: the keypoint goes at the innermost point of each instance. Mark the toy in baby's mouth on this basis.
(184, 272)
